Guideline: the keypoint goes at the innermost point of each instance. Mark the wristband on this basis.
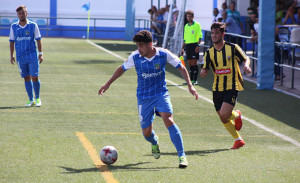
(40, 53)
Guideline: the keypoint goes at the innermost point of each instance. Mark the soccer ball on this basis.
(109, 155)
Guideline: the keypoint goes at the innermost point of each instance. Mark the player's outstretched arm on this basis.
(115, 76)
(186, 76)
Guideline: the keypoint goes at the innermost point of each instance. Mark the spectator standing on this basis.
(192, 39)
(216, 15)
(224, 8)
(249, 22)
(233, 13)
(279, 14)
(294, 8)
(153, 18)
(231, 25)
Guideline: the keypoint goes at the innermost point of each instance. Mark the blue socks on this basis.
(36, 87)
(152, 139)
(28, 87)
(176, 138)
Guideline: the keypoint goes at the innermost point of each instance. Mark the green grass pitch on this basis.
(41, 145)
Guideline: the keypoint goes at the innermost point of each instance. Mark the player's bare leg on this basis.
(150, 136)
(227, 116)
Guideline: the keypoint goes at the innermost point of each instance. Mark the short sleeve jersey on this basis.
(192, 33)
(225, 66)
(151, 72)
(235, 15)
(24, 38)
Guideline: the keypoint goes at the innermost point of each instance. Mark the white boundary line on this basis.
(259, 125)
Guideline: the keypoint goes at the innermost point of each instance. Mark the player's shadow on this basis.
(197, 153)
(12, 107)
(104, 168)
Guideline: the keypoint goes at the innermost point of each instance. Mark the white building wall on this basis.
(102, 9)
(35, 7)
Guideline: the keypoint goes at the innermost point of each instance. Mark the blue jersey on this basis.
(24, 38)
(151, 72)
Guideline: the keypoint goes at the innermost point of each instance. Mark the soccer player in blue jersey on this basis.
(152, 93)
(22, 38)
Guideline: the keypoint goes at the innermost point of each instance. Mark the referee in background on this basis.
(192, 39)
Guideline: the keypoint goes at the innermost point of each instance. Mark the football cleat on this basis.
(183, 163)
(237, 144)
(155, 150)
(194, 82)
(238, 121)
(38, 102)
(29, 103)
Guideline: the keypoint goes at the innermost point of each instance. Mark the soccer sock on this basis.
(36, 87)
(230, 127)
(191, 73)
(176, 138)
(28, 87)
(234, 115)
(196, 70)
(152, 138)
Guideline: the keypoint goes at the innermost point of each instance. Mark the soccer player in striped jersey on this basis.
(22, 38)
(224, 59)
(152, 93)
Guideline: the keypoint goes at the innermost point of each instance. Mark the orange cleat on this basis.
(237, 144)
(238, 121)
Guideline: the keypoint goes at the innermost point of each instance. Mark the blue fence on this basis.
(96, 31)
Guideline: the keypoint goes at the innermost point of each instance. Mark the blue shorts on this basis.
(27, 67)
(148, 107)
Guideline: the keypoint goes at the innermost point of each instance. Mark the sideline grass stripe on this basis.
(107, 175)
(259, 125)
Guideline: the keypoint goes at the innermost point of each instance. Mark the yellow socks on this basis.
(234, 115)
(230, 127)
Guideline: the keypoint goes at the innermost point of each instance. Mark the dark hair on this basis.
(22, 7)
(190, 12)
(250, 8)
(218, 25)
(143, 36)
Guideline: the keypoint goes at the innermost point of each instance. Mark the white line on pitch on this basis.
(259, 125)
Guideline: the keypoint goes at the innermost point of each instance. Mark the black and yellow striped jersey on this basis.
(225, 66)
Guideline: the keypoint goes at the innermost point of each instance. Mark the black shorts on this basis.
(190, 51)
(228, 96)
